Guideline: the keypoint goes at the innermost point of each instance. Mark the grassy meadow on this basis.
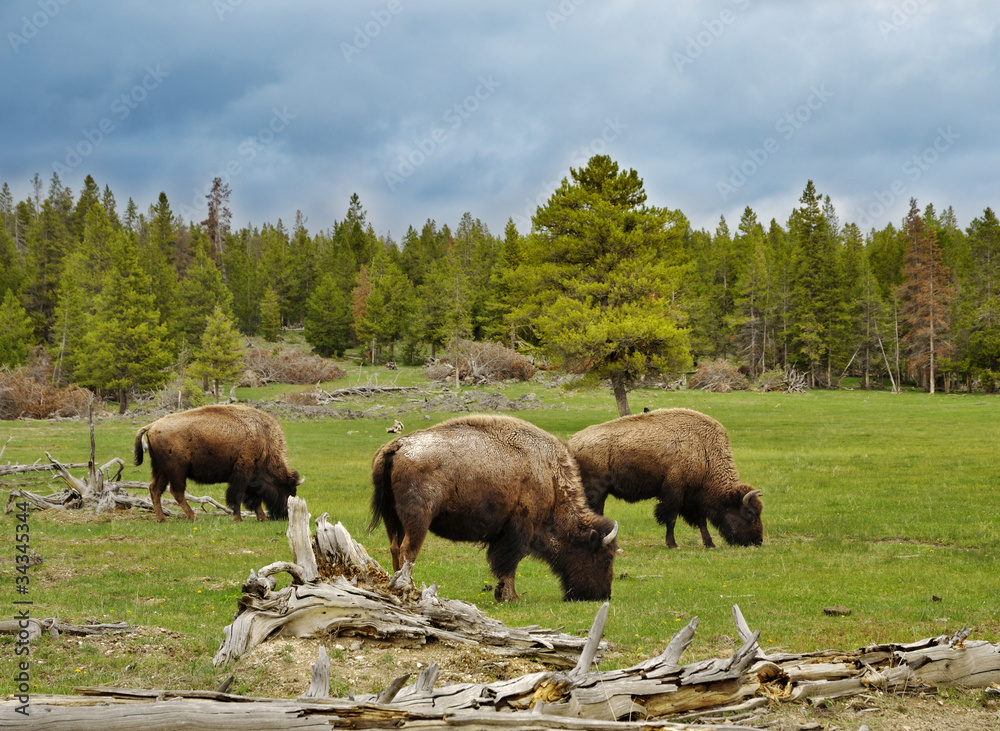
(886, 504)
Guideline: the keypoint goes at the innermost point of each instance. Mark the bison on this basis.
(678, 456)
(223, 443)
(498, 481)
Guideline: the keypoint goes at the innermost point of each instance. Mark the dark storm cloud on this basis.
(431, 110)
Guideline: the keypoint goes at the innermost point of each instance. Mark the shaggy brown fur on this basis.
(678, 456)
(223, 443)
(500, 481)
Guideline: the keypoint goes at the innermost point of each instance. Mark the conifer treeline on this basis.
(91, 282)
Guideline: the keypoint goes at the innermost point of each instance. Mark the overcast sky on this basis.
(430, 110)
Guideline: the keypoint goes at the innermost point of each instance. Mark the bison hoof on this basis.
(505, 592)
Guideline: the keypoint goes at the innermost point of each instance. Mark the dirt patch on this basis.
(282, 667)
(959, 711)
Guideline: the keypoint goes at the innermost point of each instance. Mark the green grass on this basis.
(873, 501)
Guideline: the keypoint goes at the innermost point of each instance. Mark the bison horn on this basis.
(301, 480)
(746, 498)
(611, 536)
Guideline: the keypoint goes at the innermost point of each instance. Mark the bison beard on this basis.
(681, 458)
(495, 480)
(238, 445)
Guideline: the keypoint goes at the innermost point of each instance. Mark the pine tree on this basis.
(599, 275)
(48, 242)
(244, 279)
(781, 301)
(304, 262)
(816, 314)
(79, 286)
(270, 316)
(219, 360)
(925, 296)
(981, 292)
(477, 252)
(11, 271)
(217, 222)
(124, 346)
(384, 316)
(500, 321)
(157, 244)
(275, 267)
(15, 332)
(328, 319)
(202, 291)
(751, 294)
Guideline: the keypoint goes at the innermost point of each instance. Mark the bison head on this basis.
(585, 563)
(741, 524)
(274, 493)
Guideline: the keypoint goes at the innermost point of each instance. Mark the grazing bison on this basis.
(223, 443)
(678, 456)
(495, 480)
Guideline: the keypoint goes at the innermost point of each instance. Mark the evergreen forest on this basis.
(605, 284)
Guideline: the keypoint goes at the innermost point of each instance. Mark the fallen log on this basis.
(338, 589)
(656, 693)
(35, 627)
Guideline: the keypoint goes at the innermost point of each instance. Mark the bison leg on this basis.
(394, 551)
(235, 494)
(177, 490)
(503, 556)
(668, 517)
(705, 537)
(261, 515)
(156, 488)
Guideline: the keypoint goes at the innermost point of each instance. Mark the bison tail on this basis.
(383, 501)
(138, 445)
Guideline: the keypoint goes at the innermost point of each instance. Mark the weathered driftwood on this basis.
(367, 390)
(112, 709)
(337, 588)
(23, 469)
(656, 693)
(35, 628)
(114, 495)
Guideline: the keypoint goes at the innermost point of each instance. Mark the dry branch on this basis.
(55, 628)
